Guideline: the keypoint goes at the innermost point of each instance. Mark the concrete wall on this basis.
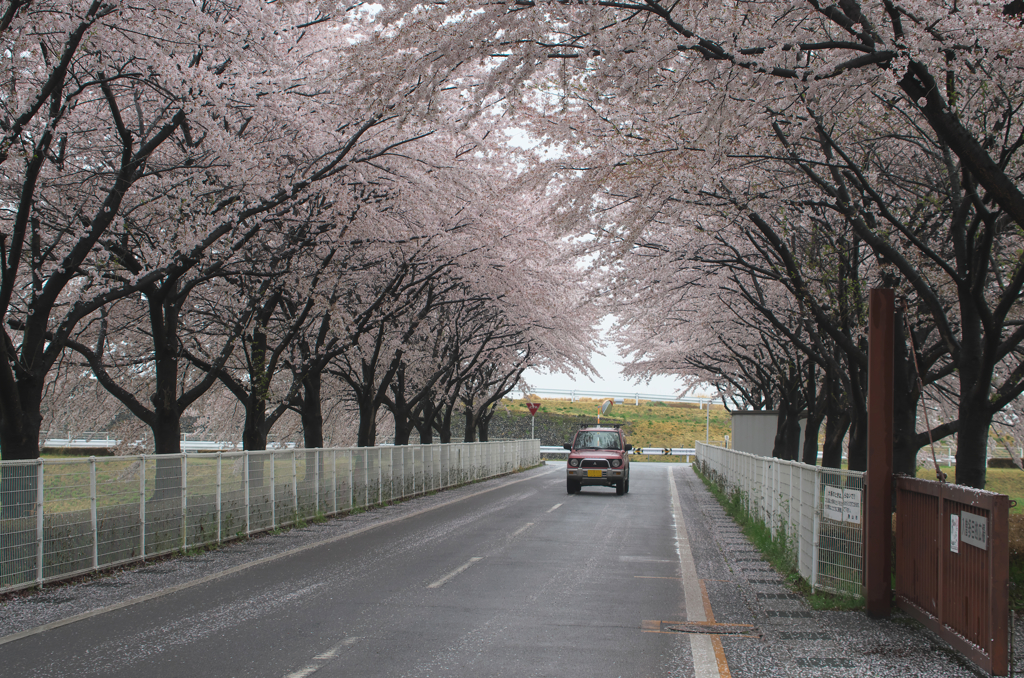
(753, 431)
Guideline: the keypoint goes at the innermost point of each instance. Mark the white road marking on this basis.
(705, 664)
(522, 529)
(322, 659)
(553, 508)
(457, 571)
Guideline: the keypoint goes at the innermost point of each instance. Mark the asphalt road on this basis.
(520, 580)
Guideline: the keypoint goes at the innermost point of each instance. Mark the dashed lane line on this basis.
(553, 508)
(522, 529)
(321, 659)
(457, 571)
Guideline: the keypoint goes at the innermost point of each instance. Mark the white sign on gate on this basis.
(974, 530)
(851, 506)
(954, 533)
(833, 503)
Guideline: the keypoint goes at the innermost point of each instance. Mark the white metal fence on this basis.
(820, 509)
(64, 517)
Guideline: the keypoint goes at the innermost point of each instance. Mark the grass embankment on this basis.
(649, 424)
(777, 550)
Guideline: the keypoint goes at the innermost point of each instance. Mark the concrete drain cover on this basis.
(712, 628)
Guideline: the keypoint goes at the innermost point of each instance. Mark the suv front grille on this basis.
(594, 463)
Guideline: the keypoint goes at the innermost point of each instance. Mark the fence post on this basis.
(142, 506)
(40, 543)
(184, 501)
(316, 481)
(220, 466)
(245, 482)
(92, 515)
(878, 521)
(815, 539)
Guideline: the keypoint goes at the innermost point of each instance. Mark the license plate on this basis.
(593, 474)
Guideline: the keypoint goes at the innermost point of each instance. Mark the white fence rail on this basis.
(64, 517)
(820, 509)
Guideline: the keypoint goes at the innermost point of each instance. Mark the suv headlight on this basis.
(616, 463)
(574, 462)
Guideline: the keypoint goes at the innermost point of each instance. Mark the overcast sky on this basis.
(609, 379)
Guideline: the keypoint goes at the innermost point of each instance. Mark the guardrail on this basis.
(61, 518)
(820, 510)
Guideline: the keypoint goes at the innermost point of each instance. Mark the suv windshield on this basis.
(597, 440)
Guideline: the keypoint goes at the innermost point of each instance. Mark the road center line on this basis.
(321, 659)
(522, 529)
(459, 570)
(708, 662)
(553, 508)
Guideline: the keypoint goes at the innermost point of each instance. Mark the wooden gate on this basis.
(952, 566)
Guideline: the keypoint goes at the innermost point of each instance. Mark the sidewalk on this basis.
(791, 639)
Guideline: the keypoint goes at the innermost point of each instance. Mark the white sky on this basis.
(609, 379)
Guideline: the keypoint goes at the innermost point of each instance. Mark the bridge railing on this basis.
(819, 509)
(61, 518)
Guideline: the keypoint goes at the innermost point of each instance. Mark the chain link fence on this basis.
(820, 511)
(60, 518)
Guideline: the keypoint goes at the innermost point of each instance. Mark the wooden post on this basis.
(878, 504)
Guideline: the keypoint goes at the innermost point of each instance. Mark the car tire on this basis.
(620, 488)
(572, 486)
(627, 485)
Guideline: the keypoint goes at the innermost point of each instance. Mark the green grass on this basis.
(777, 550)
(1008, 481)
(649, 424)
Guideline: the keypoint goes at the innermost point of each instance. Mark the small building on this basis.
(753, 431)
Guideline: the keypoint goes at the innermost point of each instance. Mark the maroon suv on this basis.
(598, 456)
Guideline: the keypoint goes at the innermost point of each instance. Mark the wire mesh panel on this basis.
(201, 499)
(118, 510)
(840, 538)
(163, 503)
(283, 477)
(307, 470)
(19, 547)
(233, 500)
(261, 491)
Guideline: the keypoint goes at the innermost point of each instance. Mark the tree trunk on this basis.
(906, 397)
(972, 444)
(366, 434)
(312, 412)
(470, 436)
(425, 423)
(857, 456)
(482, 425)
(19, 441)
(787, 433)
(254, 431)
